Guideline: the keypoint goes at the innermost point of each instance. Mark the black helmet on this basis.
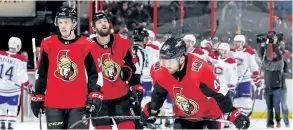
(66, 12)
(173, 48)
(139, 34)
(99, 15)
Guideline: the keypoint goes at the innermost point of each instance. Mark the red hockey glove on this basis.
(94, 102)
(146, 115)
(37, 104)
(256, 79)
(126, 73)
(240, 121)
(28, 87)
(139, 89)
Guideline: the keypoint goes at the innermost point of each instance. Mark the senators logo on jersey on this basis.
(111, 70)
(188, 106)
(67, 70)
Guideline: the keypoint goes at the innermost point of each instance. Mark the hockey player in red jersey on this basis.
(118, 66)
(193, 88)
(67, 73)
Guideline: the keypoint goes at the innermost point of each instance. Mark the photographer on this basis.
(273, 69)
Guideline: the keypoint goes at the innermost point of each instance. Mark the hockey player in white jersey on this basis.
(247, 70)
(225, 68)
(13, 74)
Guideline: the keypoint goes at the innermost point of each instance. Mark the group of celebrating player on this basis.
(78, 77)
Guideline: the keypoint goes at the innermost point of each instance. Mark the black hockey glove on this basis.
(139, 92)
(37, 104)
(126, 73)
(94, 102)
(147, 115)
(240, 121)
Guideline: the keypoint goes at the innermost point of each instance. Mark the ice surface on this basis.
(255, 124)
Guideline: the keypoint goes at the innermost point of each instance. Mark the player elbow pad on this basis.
(126, 73)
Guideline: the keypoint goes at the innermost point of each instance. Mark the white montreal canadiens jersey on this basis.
(246, 64)
(12, 71)
(226, 72)
(152, 56)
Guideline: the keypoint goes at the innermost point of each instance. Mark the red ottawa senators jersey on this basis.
(189, 99)
(112, 57)
(64, 68)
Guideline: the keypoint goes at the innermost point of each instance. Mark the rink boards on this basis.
(259, 110)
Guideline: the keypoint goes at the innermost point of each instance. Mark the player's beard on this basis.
(103, 33)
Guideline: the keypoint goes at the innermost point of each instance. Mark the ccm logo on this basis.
(37, 98)
(236, 114)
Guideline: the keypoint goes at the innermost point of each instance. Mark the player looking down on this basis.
(193, 88)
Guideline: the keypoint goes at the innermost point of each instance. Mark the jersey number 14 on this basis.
(8, 72)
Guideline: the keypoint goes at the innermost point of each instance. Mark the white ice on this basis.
(255, 124)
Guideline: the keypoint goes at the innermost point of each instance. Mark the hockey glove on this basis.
(37, 104)
(140, 92)
(147, 115)
(94, 102)
(240, 121)
(256, 79)
(27, 86)
(126, 73)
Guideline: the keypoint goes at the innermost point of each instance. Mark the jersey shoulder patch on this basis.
(156, 66)
(249, 50)
(196, 65)
(90, 40)
(230, 60)
(48, 38)
(123, 37)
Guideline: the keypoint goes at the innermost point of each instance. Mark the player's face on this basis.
(236, 44)
(189, 45)
(222, 52)
(102, 27)
(172, 65)
(65, 26)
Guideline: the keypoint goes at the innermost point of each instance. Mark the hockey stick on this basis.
(34, 52)
(138, 117)
(217, 26)
(8, 81)
(35, 67)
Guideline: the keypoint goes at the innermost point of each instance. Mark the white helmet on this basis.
(224, 46)
(190, 37)
(15, 43)
(152, 36)
(240, 38)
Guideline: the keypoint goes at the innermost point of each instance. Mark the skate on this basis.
(3, 127)
(10, 126)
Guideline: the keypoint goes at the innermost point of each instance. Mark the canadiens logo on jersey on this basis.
(66, 69)
(239, 61)
(111, 70)
(188, 106)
